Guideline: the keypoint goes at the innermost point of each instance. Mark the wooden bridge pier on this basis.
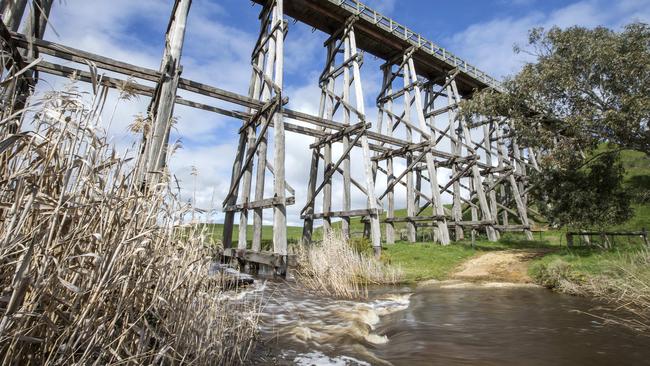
(353, 110)
(161, 108)
(266, 87)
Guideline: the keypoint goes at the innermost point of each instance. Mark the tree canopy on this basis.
(585, 87)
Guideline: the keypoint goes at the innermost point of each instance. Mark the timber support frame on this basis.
(451, 174)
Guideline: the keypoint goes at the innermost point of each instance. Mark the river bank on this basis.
(619, 276)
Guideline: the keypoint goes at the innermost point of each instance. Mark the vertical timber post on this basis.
(37, 20)
(514, 190)
(266, 88)
(163, 103)
(279, 187)
(263, 94)
(12, 13)
(375, 230)
(308, 224)
(456, 148)
(343, 41)
(327, 151)
(492, 195)
(387, 108)
(476, 182)
(345, 222)
(411, 230)
(438, 208)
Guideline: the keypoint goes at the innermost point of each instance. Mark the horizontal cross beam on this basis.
(265, 203)
(356, 128)
(350, 213)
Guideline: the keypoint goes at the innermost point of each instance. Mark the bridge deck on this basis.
(385, 38)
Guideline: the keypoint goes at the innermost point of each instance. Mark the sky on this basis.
(219, 41)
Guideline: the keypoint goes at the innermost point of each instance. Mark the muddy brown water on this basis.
(441, 325)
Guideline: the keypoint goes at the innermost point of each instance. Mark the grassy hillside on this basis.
(637, 180)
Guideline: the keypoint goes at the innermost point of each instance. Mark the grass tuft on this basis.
(336, 268)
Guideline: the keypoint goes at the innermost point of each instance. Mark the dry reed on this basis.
(334, 268)
(628, 290)
(93, 271)
(624, 284)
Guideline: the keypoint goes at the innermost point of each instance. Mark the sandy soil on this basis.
(503, 266)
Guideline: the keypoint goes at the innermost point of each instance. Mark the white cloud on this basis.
(489, 44)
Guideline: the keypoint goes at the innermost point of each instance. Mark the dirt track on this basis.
(501, 266)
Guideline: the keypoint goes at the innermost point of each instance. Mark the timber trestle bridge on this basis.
(416, 142)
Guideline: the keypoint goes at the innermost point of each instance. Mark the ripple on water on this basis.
(319, 358)
(314, 324)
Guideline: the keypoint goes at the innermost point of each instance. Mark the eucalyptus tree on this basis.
(585, 89)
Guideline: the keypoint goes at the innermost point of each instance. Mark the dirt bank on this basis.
(499, 266)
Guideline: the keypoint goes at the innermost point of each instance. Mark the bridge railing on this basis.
(416, 39)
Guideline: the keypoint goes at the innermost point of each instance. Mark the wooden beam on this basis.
(416, 219)
(348, 213)
(266, 258)
(162, 105)
(12, 13)
(265, 203)
(330, 138)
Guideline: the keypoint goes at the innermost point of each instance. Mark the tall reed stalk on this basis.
(92, 270)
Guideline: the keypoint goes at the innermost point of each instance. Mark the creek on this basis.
(448, 323)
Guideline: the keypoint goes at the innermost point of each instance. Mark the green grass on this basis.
(588, 262)
(424, 261)
(215, 231)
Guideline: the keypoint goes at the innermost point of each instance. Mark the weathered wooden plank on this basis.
(416, 219)
(267, 258)
(456, 149)
(263, 93)
(12, 13)
(443, 233)
(279, 211)
(162, 105)
(331, 138)
(348, 213)
(476, 176)
(260, 204)
(514, 189)
(375, 229)
(388, 107)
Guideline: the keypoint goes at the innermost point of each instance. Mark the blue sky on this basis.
(220, 38)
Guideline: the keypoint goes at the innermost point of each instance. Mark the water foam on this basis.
(320, 359)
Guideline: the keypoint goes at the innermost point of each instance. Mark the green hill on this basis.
(637, 180)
